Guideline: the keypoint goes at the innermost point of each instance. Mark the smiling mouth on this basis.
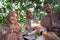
(47, 10)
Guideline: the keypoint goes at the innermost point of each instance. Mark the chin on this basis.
(48, 12)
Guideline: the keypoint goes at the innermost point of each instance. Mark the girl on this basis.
(11, 30)
(30, 34)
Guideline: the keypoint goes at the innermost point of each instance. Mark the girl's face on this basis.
(28, 14)
(13, 18)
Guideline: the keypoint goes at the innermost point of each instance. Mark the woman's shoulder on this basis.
(1, 26)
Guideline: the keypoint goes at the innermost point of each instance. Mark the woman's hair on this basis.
(12, 12)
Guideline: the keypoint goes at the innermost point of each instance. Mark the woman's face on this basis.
(28, 14)
(13, 18)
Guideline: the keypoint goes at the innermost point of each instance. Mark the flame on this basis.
(33, 24)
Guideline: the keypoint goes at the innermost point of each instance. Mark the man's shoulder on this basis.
(56, 13)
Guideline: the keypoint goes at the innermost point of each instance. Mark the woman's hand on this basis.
(10, 31)
(27, 27)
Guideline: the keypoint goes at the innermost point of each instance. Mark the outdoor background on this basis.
(22, 5)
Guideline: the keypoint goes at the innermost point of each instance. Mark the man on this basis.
(46, 21)
(50, 21)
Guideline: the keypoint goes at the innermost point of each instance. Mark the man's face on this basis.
(28, 14)
(47, 8)
(13, 18)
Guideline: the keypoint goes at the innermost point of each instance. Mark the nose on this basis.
(15, 19)
(47, 8)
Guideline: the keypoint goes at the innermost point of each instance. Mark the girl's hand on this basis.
(27, 27)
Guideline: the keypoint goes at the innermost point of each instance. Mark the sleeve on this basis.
(20, 36)
(32, 33)
(43, 30)
(25, 24)
(0, 34)
(42, 22)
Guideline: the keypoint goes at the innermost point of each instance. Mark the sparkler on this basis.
(34, 24)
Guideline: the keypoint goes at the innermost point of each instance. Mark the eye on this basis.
(15, 16)
(12, 15)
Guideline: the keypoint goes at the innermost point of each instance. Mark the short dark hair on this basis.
(47, 3)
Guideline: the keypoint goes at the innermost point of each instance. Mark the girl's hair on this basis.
(47, 3)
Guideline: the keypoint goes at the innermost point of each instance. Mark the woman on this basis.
(30, 34)
(11, 30)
